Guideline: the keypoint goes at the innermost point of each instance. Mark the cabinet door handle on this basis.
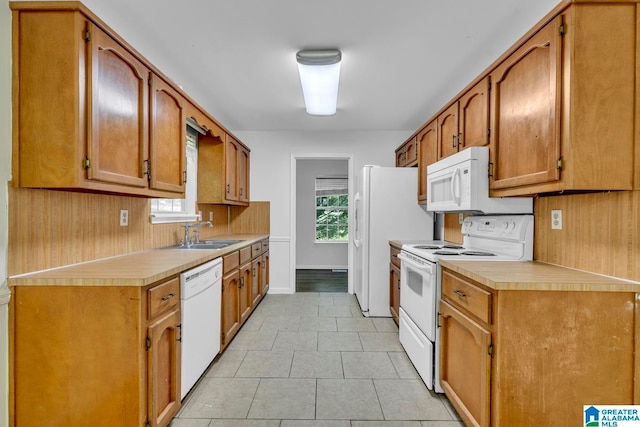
(459, 139)
(460, 293)
(453, 141)
(241, 190)
(168, 297)
(228, 188)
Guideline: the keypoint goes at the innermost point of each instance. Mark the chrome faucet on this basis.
(196, 229)
(188, 240)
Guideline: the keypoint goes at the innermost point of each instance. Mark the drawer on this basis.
(230, 262)
(465, 295)
(256, 249)
(265, 245)
(164, 297)
(245, 255)
(394, 256)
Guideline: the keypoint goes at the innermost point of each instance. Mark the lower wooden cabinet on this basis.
(508, 357)
(95, 355)
(464, 375)
(244, 284)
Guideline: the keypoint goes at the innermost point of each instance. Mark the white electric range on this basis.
(486, 238)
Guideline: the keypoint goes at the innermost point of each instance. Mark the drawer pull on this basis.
(168, 297)
(460, 293)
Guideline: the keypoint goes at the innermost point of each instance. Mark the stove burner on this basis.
(452, 247)
(477, 253)
(430, 247)
(445, 253)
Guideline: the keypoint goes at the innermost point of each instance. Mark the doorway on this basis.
(319, 258)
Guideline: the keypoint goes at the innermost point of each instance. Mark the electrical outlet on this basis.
(460, 218)
(124, 217)
(211, 216)
(556, 219)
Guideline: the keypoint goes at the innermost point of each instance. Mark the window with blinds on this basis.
(332, 209)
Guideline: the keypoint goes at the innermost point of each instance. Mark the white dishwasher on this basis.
(200, 298)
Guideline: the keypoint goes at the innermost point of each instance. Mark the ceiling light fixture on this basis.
(319, 74)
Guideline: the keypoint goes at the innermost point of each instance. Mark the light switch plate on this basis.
(556, 219)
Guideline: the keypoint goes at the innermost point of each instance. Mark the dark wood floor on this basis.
(321, 281)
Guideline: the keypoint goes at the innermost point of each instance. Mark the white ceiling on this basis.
(402, 59)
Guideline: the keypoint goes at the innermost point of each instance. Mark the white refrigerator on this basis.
(386, 208)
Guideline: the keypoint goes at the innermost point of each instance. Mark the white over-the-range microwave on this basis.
(460, 183)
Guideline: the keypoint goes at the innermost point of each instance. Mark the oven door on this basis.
(418, 292)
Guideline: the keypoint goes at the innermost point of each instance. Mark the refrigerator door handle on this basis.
(356, 239)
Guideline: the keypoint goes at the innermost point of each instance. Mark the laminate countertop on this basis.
(136, 269)
(537, 276)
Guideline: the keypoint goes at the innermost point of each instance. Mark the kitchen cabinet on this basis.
(428, 153)
(257, 265)
(223, 169)
(84, 121)
(465, 347)
(265, 267)
(230, 321)
(465, 123)
(407, 154)
(107, 353)
(394, 283)
(244, 284)
(562, 99)
(246, 301)
(517, 340)
(167, 138)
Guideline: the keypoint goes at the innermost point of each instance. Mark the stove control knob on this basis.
(512, 225)
(505, 225)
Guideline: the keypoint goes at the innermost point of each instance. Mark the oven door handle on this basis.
(423, 267)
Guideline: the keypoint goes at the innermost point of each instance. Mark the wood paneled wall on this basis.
(600, 233)
(50, 228)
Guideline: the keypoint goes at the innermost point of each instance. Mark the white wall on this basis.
(271, 154)
(5, 176)
(310, 254)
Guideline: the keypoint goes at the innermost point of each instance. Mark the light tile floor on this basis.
(310, 360)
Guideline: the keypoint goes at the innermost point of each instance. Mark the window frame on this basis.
(341, 207)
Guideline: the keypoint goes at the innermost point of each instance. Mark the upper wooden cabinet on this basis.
(428, 153)
(562, 105)
(526, 146)
(465, 123)
(223, 169)
(167, 142)
(83, 120)
(407, 154)
(558, 109)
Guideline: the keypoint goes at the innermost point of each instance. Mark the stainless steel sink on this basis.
(207, 244)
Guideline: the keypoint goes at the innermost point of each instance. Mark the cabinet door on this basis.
(117, 120)
(243, 174)
(448, 131)
(246, 290)
(400, 157)
(411, 152)
(265, 274)
(230, 306)
(525, 112)
(394, 291)
(167, 156)
(474, 116)
(256, 273)
(465, 365)
(428, 153)
(231, 169)
(163, 370)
